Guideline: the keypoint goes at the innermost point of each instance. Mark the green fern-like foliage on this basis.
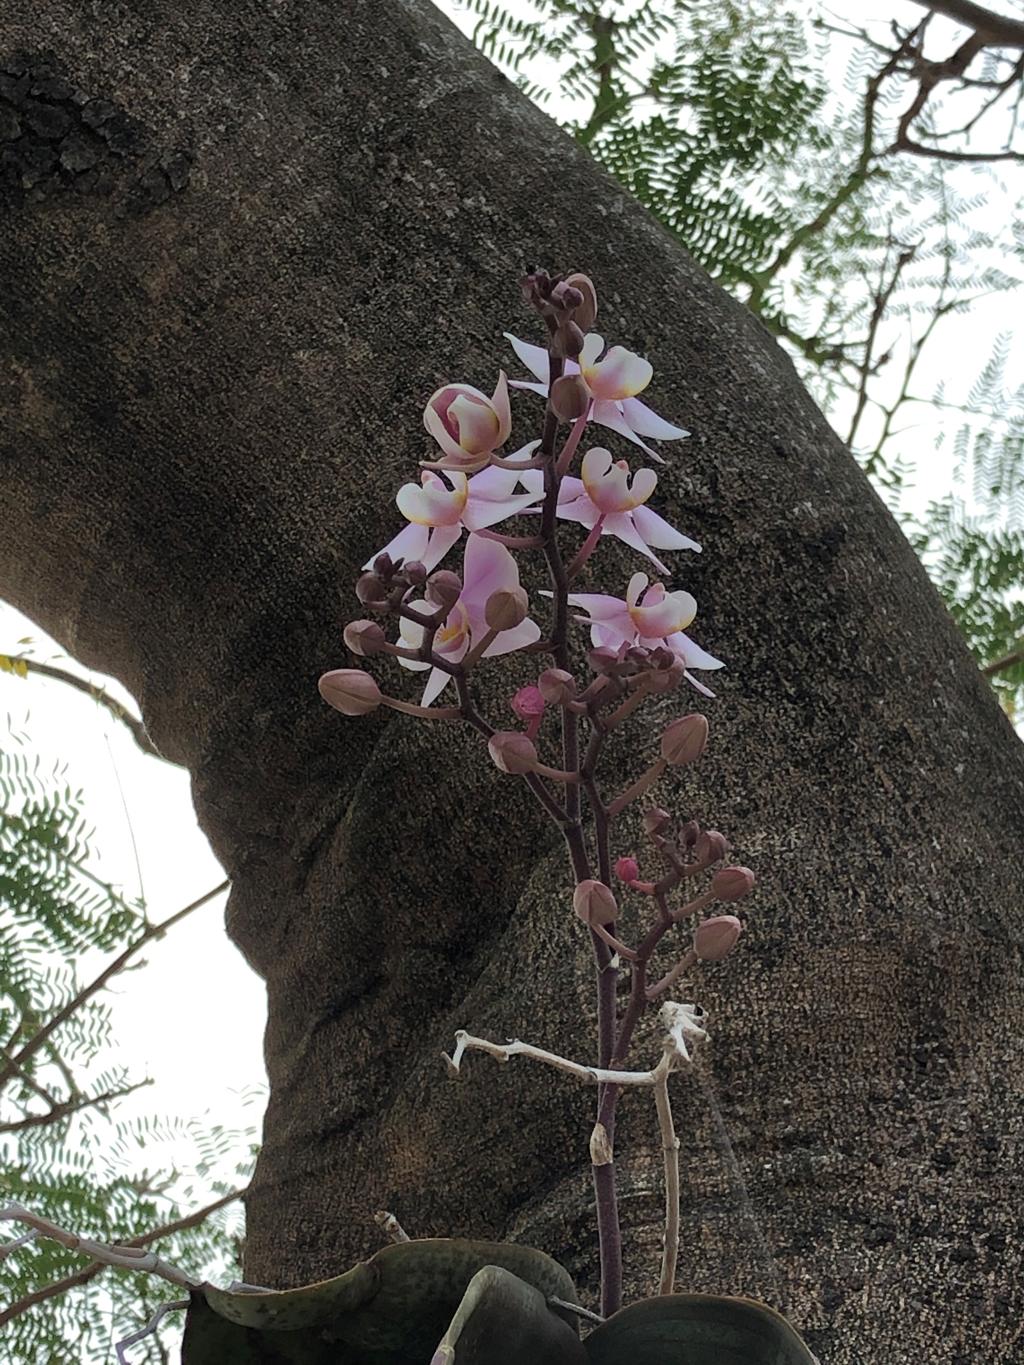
(64, 1151)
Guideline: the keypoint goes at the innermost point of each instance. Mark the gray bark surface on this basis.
(223, 301)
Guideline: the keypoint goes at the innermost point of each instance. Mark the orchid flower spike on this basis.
(612, 383)
(468, 425)
(647, 616)
(438, 509)
(487, 568)
(606, 494)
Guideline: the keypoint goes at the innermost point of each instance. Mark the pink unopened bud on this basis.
(684, 739)
(657, 820)
(506, 608)
(716, 937)
(568, 340)
(627, 870)
(556, 686)
(528, 703)
(350, 691)
(512, 752)
(711, 847)
(364, 637)
(586, 312)
(570, 397)
(370, 590)
(689, 834)
(444, 588)
(415, 573)
(732, 883)
(666, 679)
(595, 903)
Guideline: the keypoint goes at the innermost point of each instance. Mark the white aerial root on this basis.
(149, 1330)
(127, 1258)
(683, 1027)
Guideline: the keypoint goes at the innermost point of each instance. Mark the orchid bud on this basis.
(568, 341)
(603, 660)
(444, 588)
(371, 591)
(627, 870)
(666, 679)
(711, 847)
(565, 296)
(732, 883)
(586, 312)
(384, 565)
(657, 820)
(556, 686)
(506, 608)
(684, 739)
(350, 691)
(528, 703)
(595, 903)
(716, 937)
(570, 397)
(512, 752)
(415, 573)
(364, 637)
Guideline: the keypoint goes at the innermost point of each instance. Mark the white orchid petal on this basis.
(436, 684)
(535, 358)
(542, 389)
(442, 538)
(486, 567)
(621, 374)
(410, 543)
(611, 634)
(524, 634)
(607, 414)
(493, 483)
(600, 605)
(657, 532)
(646, 422)
(621, 526)
(432, 503)
(478, 516)
(691, 653)
(635, 587)
(593, 345)
(705, 691)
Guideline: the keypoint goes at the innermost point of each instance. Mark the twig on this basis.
(63, 1109)
(391, 1226)
(153, 932)
(504, 1052)
(670, 1148)
(138, 730)
(51, 1291)
(1015, 656)
(124, 1257)
(149, 1330)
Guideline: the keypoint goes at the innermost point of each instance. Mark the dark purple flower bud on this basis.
(556, 686)
(506, 608)
(684, 739)
(570, 397)
(657, 820)
(385, 565)
(568, 341)
(415, 573)
(512, 752)
(371, 591)
(711, 847)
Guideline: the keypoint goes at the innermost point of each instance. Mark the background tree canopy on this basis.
(851, 184)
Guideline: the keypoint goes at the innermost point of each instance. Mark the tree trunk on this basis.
(223, 307)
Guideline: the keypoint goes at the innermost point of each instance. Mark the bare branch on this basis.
(65, 1108)
(153, 932)
(51, 1291)
(997, 666)
(994, 28)
(138, 731)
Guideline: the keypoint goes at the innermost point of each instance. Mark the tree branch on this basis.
(154, 931)
(1015, 656)
(51, 1291)
(119, 712)
(995, 28)
(65, 1108)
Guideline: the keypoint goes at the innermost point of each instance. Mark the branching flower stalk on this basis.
(451, 624)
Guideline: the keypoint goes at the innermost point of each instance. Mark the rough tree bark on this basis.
(225, 295)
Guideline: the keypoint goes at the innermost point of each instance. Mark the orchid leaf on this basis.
(502, 1318)
(390, 1310)
(698, 1329)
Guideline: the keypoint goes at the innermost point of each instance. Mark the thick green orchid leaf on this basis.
(390, 1310)
(696, 1329)
(502, 1319)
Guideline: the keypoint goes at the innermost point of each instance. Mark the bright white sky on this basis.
(194, 1018)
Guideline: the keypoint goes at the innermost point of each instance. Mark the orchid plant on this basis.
(450, 623)
(445, 625)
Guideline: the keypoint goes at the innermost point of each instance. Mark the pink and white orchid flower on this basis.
(468, 425)
(438, 511)
(487, 568)
(612, 383)
(647, 616)
(605, 493)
